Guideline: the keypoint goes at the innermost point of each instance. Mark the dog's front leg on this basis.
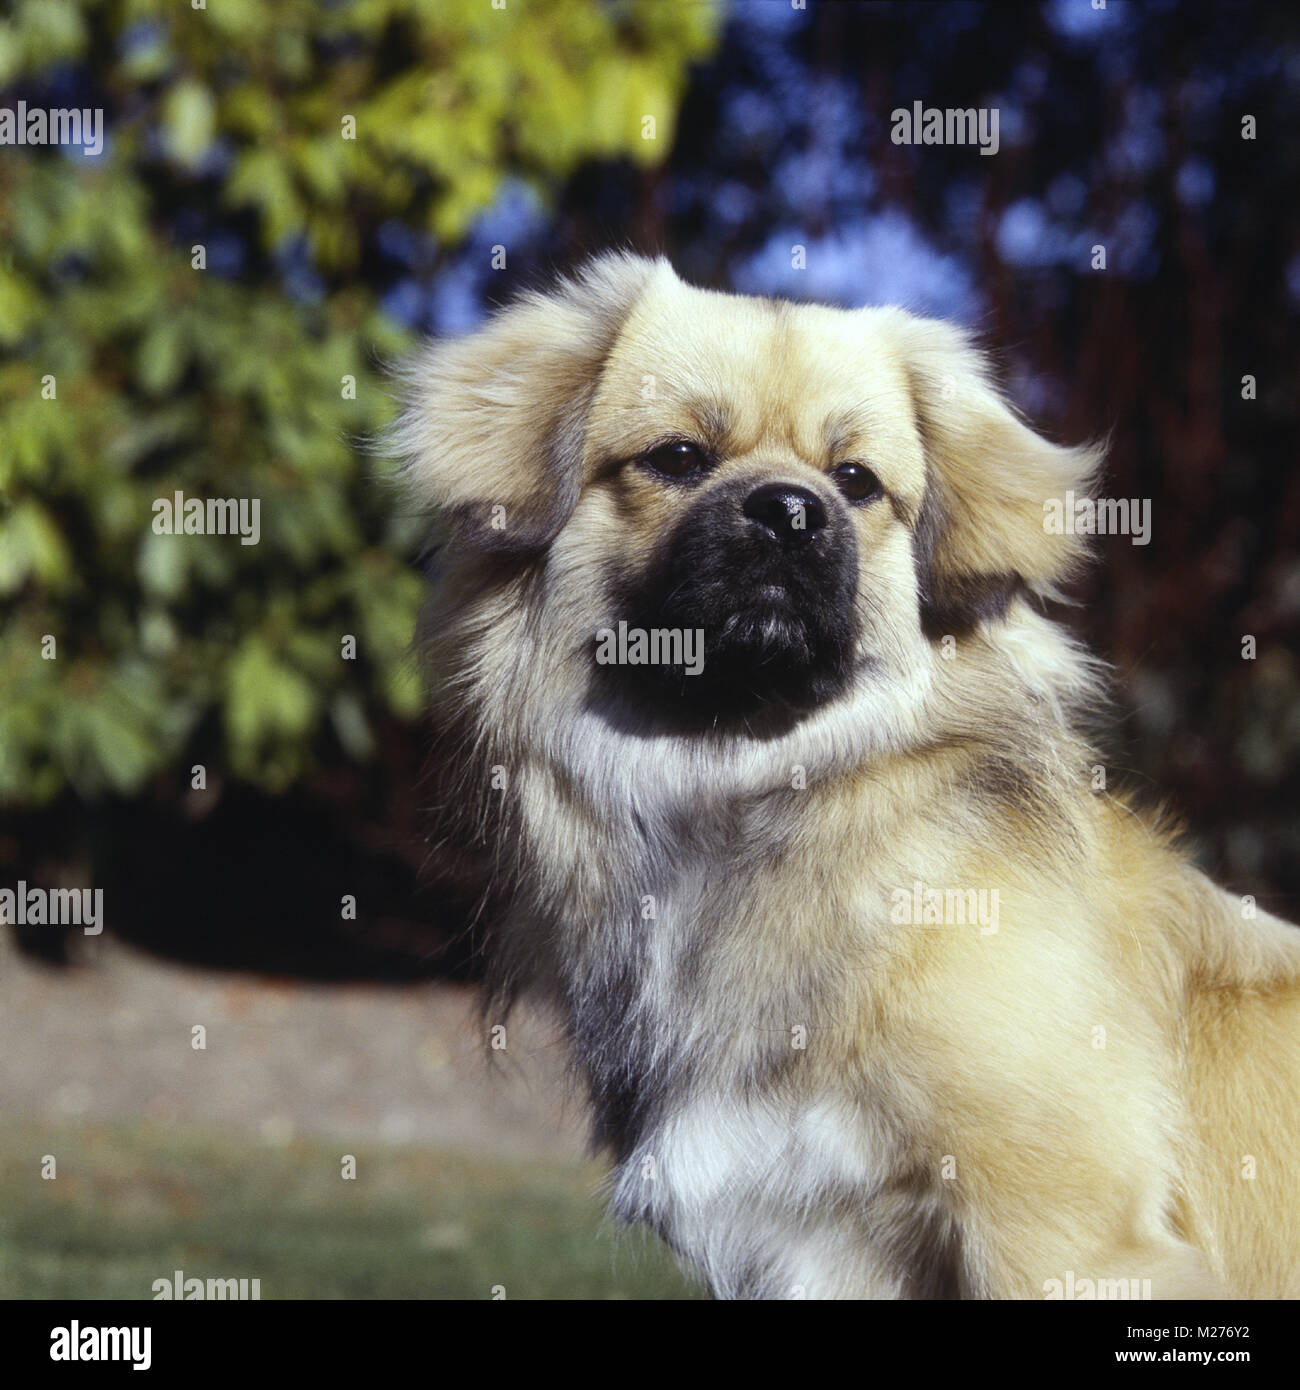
(1101, 1253)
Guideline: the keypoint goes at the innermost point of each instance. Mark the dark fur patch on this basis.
(953, 603)
(760, 654)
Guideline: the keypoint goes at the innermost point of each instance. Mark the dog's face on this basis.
(818, 493)
(756, 474)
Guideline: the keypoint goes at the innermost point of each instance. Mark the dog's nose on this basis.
(790, 514)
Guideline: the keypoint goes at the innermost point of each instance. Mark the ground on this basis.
(227, 1161)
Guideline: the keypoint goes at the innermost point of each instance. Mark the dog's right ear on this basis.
(981, 535)
(492, 424)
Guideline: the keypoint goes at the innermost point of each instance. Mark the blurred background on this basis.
(287, 197)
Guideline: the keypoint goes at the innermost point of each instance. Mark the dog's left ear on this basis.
(491, 431)
(993, 485)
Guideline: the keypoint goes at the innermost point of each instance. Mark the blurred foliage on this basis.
(286, 141)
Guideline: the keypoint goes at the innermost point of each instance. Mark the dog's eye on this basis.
(857, 482)
(680, 459)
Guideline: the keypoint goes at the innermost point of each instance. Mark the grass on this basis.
(133, 1203)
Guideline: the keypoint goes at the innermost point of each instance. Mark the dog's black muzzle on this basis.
(768, 573)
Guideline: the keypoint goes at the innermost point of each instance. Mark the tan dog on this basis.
(875, 992)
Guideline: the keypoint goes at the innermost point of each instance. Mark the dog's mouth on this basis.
(764, 629)
(750, 615)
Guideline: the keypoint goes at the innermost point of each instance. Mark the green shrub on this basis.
(133, 365)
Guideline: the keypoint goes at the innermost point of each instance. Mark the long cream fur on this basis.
(802, 1095)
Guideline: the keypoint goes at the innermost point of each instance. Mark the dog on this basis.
(875, 989)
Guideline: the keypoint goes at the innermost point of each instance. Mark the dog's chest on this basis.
(716, 1075)
(767, 1197)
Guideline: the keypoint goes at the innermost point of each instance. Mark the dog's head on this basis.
(818, 493)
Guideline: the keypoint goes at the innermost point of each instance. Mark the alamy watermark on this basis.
(40, 125)
(179, 515)
(54, 907)
(1098, 516)
(932, 125)
(194, 1289)
(656, 646)
(73, 1342)
(1073, 1287)
(921, 906)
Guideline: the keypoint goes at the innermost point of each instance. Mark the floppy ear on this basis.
(492, 425)
(983, 530)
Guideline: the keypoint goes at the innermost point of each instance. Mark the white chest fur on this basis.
(767, 1199)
